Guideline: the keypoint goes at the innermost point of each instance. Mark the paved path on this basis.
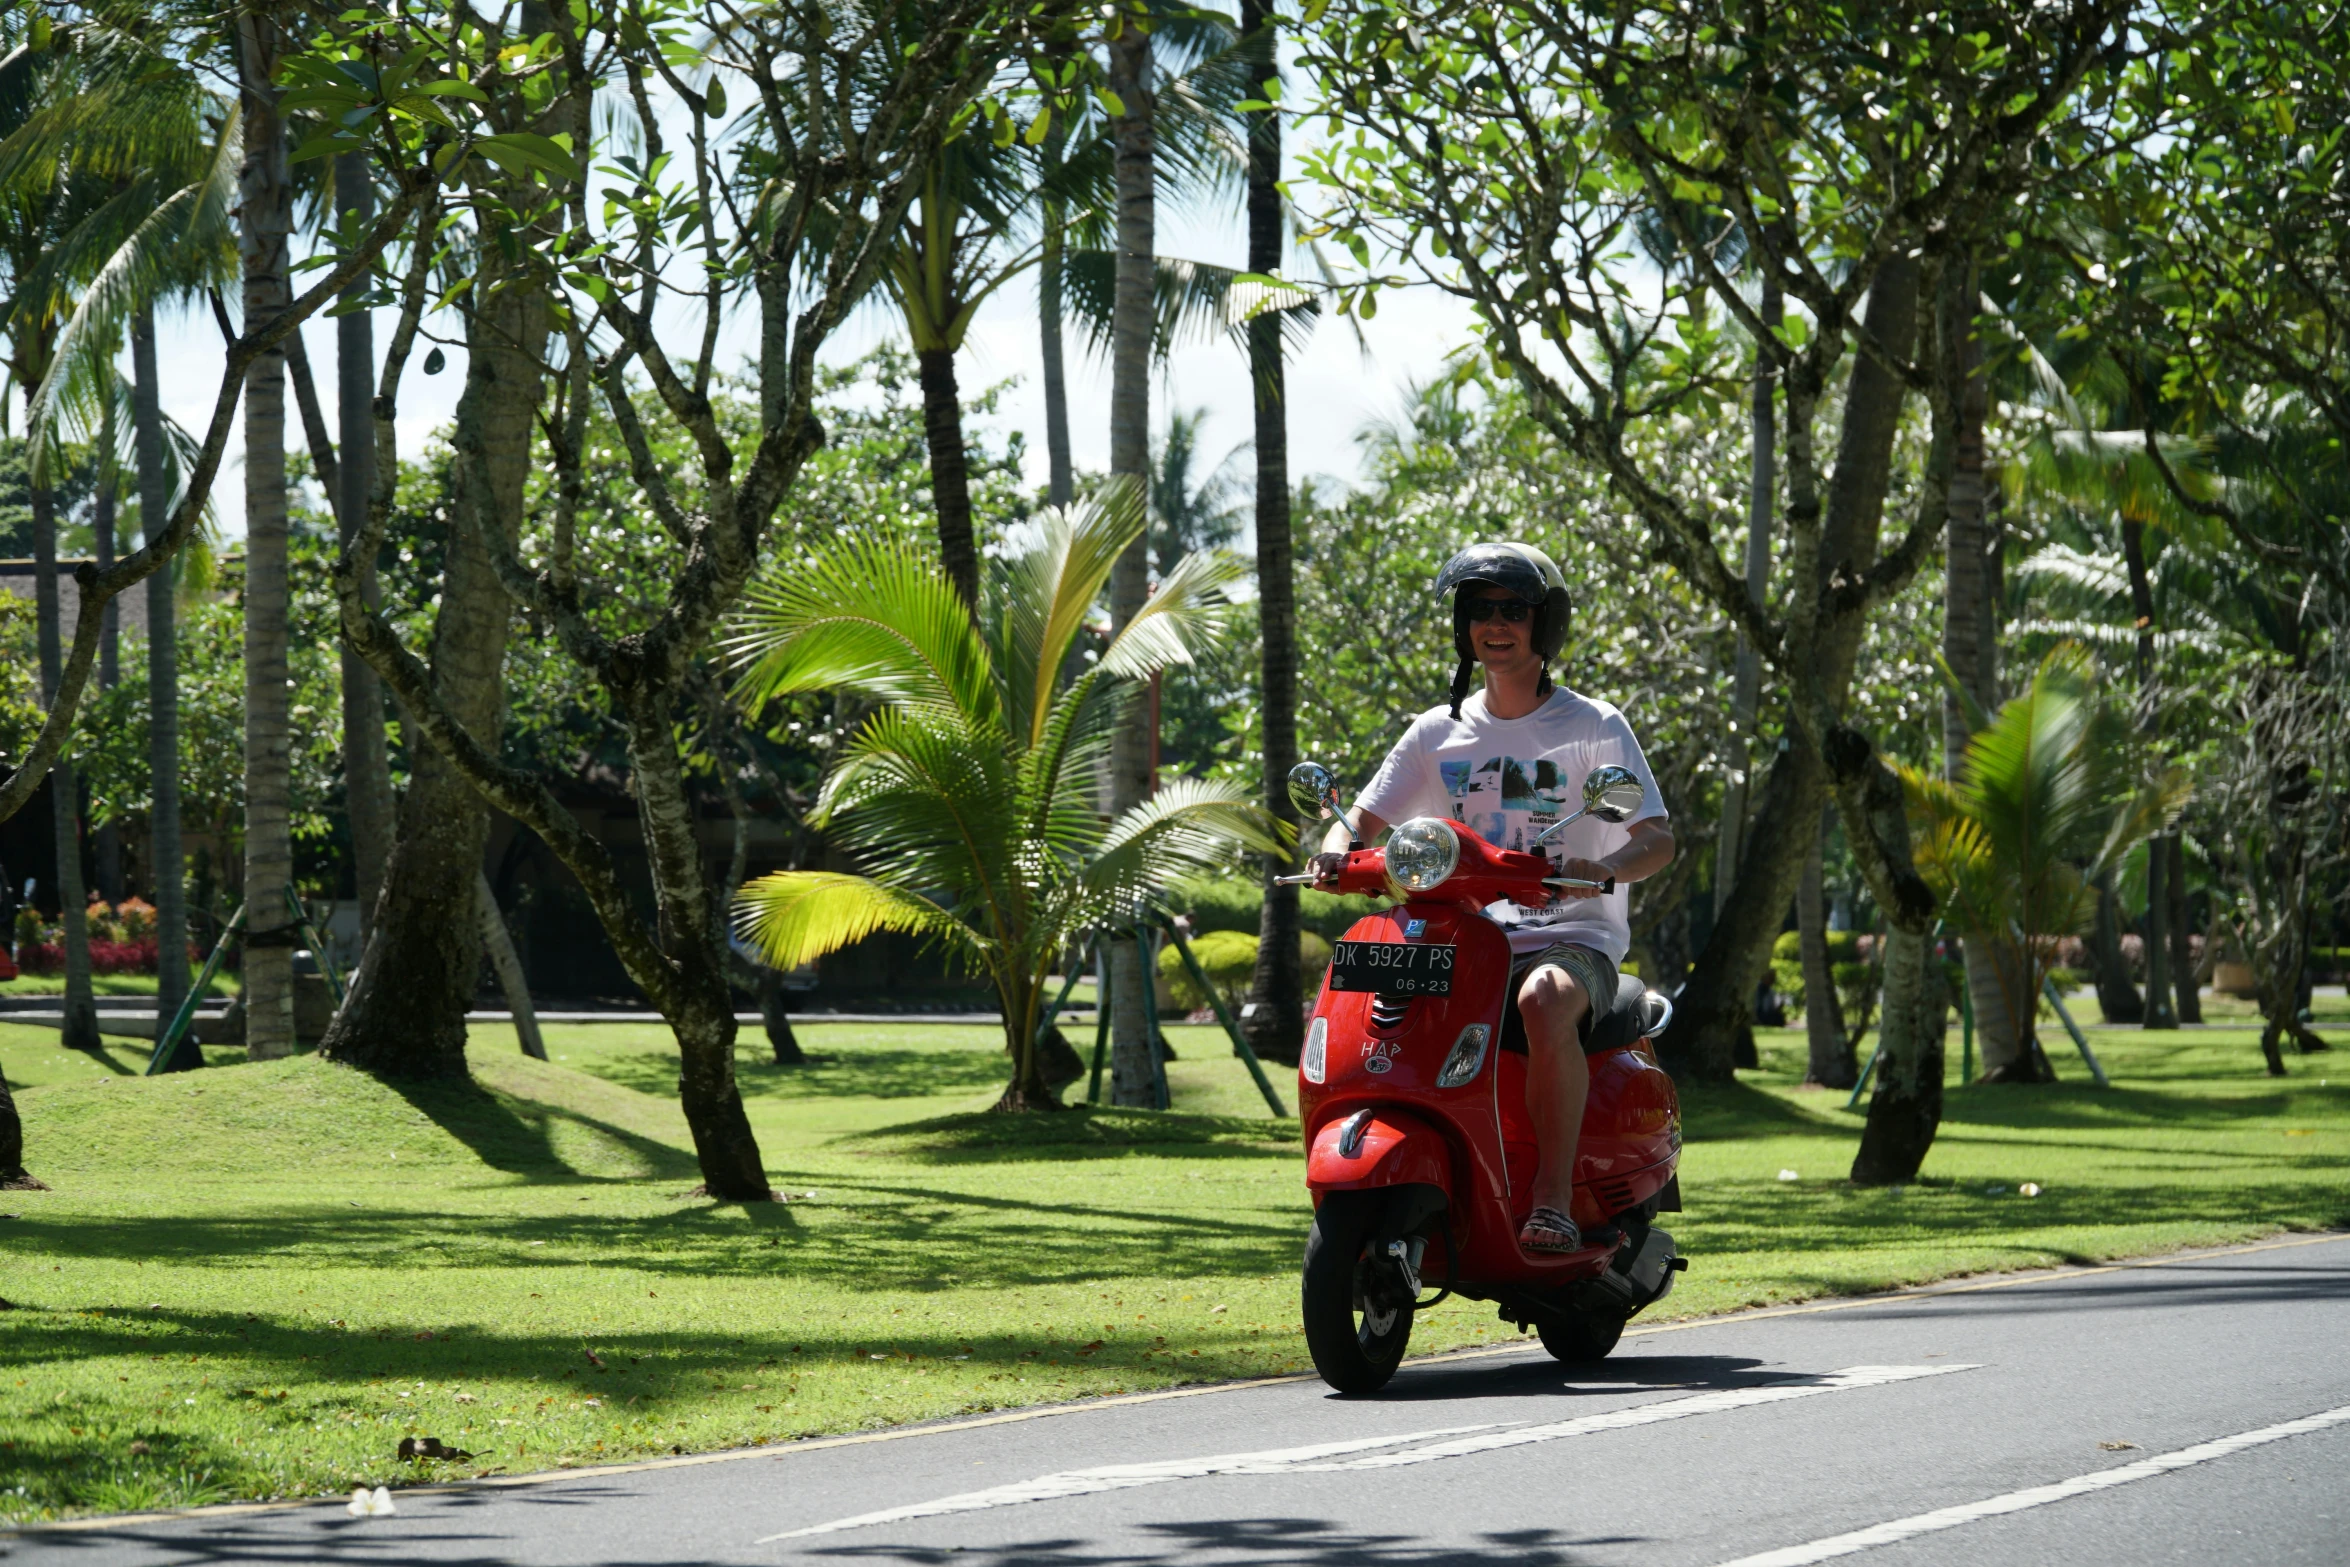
(2193, 1411)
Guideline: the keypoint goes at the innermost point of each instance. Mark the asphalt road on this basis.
(1980, 1425)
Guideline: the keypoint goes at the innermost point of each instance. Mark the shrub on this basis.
(1235, 904)
(1229, 958)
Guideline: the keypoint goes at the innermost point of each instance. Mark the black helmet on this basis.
(1522, 571)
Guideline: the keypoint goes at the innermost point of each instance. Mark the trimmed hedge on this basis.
(1229, 958)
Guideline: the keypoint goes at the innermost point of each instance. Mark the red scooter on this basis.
(1420, 1152)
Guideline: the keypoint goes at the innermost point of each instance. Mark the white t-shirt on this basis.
(1508, 778)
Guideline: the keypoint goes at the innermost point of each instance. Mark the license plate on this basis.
(1392, 968)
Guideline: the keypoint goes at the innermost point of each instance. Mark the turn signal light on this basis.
(1468, 1054)
(1314, 1062)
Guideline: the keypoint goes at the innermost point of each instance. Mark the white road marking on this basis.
(2038, 1495)
(1112, 1477)
(1649, 1414)
(1326, 1457)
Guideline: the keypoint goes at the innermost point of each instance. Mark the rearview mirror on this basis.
(1613, 793)
(1314, 791)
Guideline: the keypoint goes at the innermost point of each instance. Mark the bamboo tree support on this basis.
(2080, 1040)
(1150, 1015)
(165, 1058)
(1101, 1021)
(326, 964)
(1240, 1046)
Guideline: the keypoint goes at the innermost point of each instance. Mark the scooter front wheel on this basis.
(1356, 1341)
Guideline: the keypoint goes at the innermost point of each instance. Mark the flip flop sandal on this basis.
(1547, 1229)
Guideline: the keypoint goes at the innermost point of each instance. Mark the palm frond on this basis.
(1190, 825)
(1178, 621)
(796, 917)
(878, 619)
(1048, 592)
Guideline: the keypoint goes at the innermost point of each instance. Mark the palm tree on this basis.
(170, 152)
(265, 231)
(968, 796)
(2043, 809)
(1131, 334)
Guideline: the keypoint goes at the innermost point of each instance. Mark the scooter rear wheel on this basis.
(1356, 1346)
(1580, 1335)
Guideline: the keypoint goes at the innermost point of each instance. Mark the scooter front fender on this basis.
(1374, 1147)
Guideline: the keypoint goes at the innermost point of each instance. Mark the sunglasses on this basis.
(1514, 611)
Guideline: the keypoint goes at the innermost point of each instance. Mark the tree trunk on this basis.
(1131, 325)
(405, 1015)
(2182, 934)
(950, 473)
(2118, 1000)
(1051, 265)
(1746, 690)
(14, 1177)
(266, 214)
(1706, 1031)
(107, 844)
(775, 1015)
(507, 964)
(732, 1169)
(1906, 1108)
(367, 768)
(2159, 1012)
(81, 1007)
(1715, 1008)
(1831, 1051)
(1274, 1016)
(164, 855)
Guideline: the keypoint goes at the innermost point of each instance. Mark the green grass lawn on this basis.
(223, 984)
(252, 1282)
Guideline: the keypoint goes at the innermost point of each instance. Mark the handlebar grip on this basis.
(1307, 880)
(1608, 885)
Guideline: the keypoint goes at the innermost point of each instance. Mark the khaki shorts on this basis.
(1590, 969)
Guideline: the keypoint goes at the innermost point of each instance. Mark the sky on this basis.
(1337, 384)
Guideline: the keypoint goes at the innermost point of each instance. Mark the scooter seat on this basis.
(1638, 1012)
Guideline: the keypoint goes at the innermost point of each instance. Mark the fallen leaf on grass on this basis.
(594, 1360)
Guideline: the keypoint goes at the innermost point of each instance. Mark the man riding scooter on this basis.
(1501, 762)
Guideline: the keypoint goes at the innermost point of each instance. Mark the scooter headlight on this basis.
(1468, 1054)
(1421, 853)
(1314, 1063)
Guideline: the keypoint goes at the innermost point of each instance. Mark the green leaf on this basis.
(520, 152)
(715, 98)
(435, 362)
(1112, 105)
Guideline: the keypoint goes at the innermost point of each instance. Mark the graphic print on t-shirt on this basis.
(1505, 800)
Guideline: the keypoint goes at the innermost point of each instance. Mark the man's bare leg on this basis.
(1558, 1078)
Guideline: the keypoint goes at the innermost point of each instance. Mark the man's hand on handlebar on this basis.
(1327, 865)
(1584, 870)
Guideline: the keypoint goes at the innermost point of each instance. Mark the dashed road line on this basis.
(1941, 1518)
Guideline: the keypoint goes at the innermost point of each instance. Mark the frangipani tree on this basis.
(2045, 806)
(971, 796)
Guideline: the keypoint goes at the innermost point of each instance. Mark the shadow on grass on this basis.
(1983, 1214)
(840, 1074)
(516, 1136)
(866, 1235)
(1080, 1132)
